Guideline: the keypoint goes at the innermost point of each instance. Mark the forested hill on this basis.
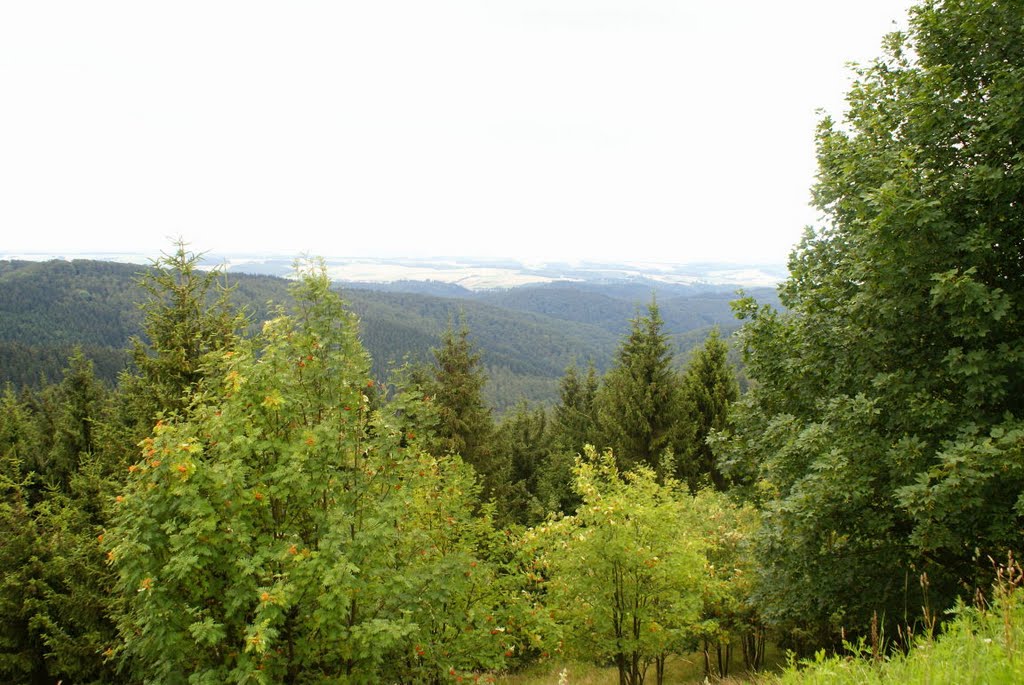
(527, 335)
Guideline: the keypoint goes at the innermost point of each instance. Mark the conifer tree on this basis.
(575, 418)
(709, 386)
(638, 403)
(573, 426)
(187, 315)
(21, 566)
(464, 423)
(522, 445)
(77, 402)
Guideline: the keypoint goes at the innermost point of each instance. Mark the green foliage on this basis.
(626, 571)
(883, 432)
(729, 616)
(708, 388)
(74, 614)
(53, 518)
(186, 316)
(573, 425)
(77, 404)
(980, 645)
(20, 568)
(638, 405)
(464, 425)
(523, 444)
(575, 416)
(287, 531)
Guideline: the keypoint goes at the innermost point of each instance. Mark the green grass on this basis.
(981, 645)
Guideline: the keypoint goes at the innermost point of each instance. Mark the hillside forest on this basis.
(527, 335)
(240, 495)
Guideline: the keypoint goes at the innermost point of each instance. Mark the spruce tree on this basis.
(523, 446)
(77, 403)
(575, 418)
(464, 424)
(574, 425)
(709, 387)
(638, 403)
(187, 315)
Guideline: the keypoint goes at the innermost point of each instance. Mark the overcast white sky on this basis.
(560, 129)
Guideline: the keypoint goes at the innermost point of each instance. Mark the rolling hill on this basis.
(528, 335)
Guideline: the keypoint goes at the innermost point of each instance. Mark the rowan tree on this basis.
(282, 531)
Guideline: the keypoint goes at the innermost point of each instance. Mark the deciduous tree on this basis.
(286, 531)
(884, 430)
(627, 570)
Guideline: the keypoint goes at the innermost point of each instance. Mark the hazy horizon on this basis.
(641, 130)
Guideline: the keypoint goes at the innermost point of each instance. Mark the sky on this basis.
(657, 130)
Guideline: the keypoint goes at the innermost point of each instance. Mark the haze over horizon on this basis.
(600, 130)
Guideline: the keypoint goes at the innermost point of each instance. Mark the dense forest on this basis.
(528, 335)
(248, 500)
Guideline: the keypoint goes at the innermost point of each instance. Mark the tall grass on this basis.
(982, 644)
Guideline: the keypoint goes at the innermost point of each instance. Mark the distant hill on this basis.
(528, 335)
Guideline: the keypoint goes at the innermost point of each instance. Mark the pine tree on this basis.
(709, 387)
(638, 403)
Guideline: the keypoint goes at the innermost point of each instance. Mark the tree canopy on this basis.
(884, 431)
